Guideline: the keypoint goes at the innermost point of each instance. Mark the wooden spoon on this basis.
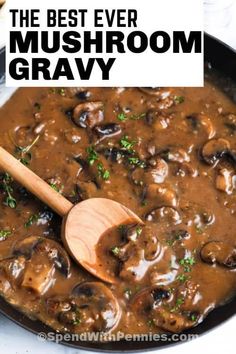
(83, 223)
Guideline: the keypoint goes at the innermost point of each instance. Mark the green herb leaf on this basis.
(193, 317)
(62, 92)
(122, 117)
(139, 230)
(126, 144)
(10, 201)
(137, 116)
(137, 162)
(23, 152)
(4, 234)
(55, 187)
(115, 250)
(179, 302)
(182, 278)
(92, 155)
(32, 219)
(187, 263)
(179, 99)
(105, 174)
(150, 323)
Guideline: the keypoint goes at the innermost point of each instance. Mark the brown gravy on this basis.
(167, 154)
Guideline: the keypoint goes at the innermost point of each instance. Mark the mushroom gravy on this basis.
(167, 154)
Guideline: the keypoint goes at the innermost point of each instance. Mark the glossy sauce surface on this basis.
(167, 154)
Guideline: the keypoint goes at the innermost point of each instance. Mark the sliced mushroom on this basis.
(214, 150)
(219, 252)
(72, 136)
(54, 251)
(156, 303)
(38, 274)
(162, 194)
(185, 169)
(171, 321)
(22, 135)
(88, 114)
(113, 153)
(13, 267)
(92, 307)
(157, 171)
(153, 247)
(224, 181)
(164, 214)
(107, 130)
(156, 91)
(156, 120)
(174, 154)
(189, 292)
(147, 299)
(201, 122)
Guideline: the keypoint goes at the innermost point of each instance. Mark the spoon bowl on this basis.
(83, 224)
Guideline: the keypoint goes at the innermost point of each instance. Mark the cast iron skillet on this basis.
(223, 58)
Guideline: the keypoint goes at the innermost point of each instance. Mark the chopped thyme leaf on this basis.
(77, 322)
(32, 219)
(179, 302)
(115, 250)
(52, 90)
(182, 278)
(139, 230)
(199, 229)
(150, 323)
(10, 201)
(137, 162)
(55, 187)
(188, 260)
(25, 161)
(170, 242)
(133, 160)
(92, 155)
(102, 172)
(187, 263)
(122, 117)
(4, 234)
(126, 144)
(62, 92)
(137, 116)
(179, 99)
(193, 317)
(128, 292)
(23, 152)
(106, 175)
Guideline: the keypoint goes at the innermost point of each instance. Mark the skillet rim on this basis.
(217, 53)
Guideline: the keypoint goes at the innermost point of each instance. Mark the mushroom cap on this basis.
(214, 150)
(88, 114)
(55, 252)
(219, 252)
(95, 304)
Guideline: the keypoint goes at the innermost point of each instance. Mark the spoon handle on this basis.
(34, 183)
